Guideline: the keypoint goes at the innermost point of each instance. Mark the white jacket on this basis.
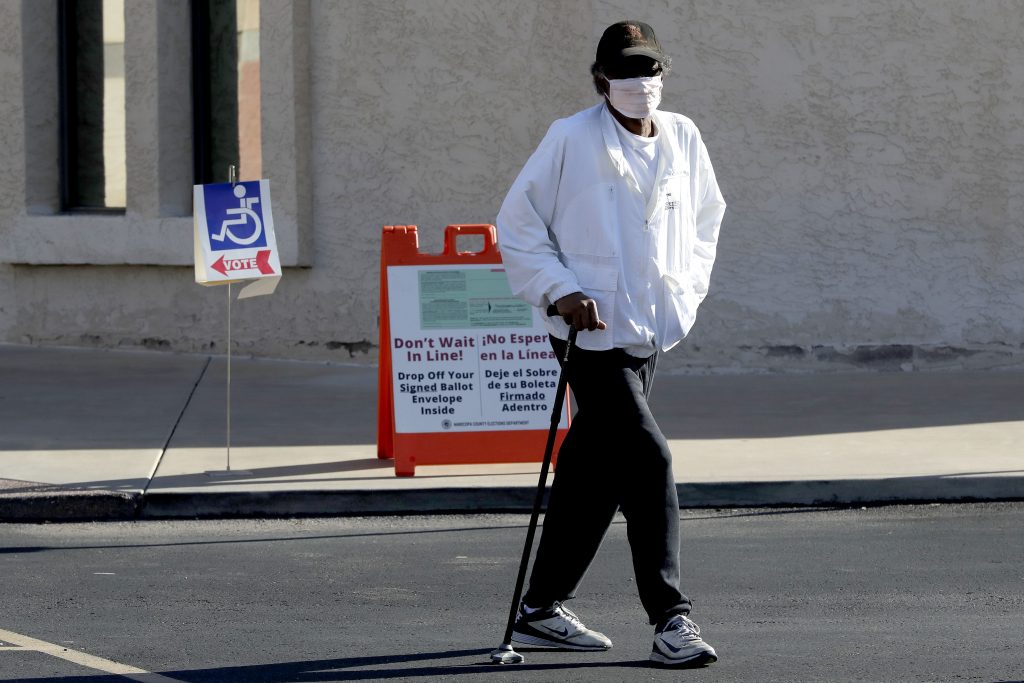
(559, 227)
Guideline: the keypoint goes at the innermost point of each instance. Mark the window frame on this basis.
(156, 229)
(67, 64)
(201, 129)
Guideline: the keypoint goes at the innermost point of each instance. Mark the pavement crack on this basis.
(167, 442)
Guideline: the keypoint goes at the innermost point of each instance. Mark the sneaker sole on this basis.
(524, 639)
(699, 659)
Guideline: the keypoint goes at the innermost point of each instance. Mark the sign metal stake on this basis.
(228, 392)
(227, 472)
(233, 179)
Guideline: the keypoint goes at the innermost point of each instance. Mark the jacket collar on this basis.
(614, 147)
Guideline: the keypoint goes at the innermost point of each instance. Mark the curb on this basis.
(335, 503)
(75, 505)
(69, 506)
(903, 490)
(896, 490)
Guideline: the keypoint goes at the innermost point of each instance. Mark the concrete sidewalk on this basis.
(92, 434)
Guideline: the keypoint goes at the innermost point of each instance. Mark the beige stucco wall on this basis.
(871, 154)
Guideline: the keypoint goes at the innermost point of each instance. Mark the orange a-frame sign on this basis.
(467, 374)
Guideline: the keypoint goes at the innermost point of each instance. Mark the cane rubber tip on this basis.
(506, 655)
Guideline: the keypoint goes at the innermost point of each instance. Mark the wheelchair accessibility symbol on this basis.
(234, 216)
(244, 213)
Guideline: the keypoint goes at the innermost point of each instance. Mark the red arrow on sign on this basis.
(218, 265)
(261, 263)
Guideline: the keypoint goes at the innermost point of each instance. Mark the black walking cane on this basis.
(504, 654)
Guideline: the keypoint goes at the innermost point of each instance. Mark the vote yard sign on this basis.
(234, 236)
(466, 355)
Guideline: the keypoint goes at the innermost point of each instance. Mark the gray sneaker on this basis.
(679, 644)
(558, 627)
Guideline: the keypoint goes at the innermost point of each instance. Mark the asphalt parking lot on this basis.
(909, 593)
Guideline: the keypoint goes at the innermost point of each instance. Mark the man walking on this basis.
(614, 220)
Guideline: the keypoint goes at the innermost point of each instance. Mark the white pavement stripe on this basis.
(81, 658)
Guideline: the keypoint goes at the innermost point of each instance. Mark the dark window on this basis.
(92, 104)
(226, 89)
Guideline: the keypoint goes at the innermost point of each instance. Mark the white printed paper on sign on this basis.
(466, 355)
(234, 236)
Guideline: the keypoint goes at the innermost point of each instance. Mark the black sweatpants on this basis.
(614, 457)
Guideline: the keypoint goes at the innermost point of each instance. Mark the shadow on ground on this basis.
(393, 667)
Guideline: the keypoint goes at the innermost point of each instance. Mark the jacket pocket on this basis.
(679, 303)
(598, 277)
(586, 224)
(594, 272)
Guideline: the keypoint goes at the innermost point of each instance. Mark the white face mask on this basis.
(636, 98)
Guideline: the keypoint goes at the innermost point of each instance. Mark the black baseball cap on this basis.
(628, 39)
